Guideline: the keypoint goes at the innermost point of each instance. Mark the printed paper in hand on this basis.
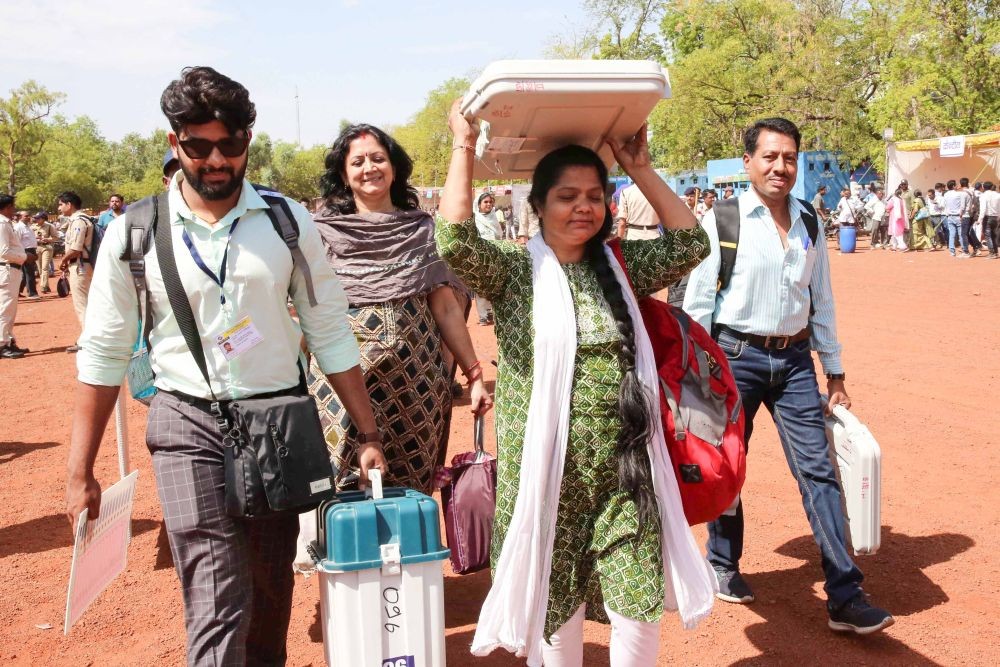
(101, 547)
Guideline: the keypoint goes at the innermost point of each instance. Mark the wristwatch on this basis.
(836, 376)
(373, 436)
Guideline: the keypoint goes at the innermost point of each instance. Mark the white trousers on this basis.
(633, 643)
(10, 282)
(898, 242)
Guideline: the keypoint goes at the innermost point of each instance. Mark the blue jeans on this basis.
(969, 236)
(954, 224)
(785, 382)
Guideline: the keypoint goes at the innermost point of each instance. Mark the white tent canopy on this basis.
(977, 157)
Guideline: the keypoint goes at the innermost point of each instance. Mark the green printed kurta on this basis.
(596, 558)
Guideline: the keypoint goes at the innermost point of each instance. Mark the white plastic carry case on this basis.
(529, 107)
(859, 460)
(381, 586)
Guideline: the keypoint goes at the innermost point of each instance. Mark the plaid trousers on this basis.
(236, 575)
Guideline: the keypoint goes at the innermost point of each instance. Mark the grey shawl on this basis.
(384, 256)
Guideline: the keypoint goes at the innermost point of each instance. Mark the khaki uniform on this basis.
(12, 256)
(44, 230)
(639, 216)
(79, 237)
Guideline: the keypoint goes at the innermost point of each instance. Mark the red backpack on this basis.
(703, 421)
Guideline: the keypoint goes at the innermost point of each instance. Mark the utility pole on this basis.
(298, 119)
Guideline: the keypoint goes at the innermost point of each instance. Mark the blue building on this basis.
(683, 180)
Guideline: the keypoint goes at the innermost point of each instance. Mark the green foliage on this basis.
(841, 70)
(23, 132)
(300, 171)
(942, 77)
(629, 28)
(427, 138)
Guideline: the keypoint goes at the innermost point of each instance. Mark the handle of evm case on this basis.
(375, 483)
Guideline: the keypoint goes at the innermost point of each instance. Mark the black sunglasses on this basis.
(199, 149)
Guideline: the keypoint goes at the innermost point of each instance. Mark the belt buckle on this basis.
(782, 342)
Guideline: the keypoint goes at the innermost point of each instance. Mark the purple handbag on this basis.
(468, 494)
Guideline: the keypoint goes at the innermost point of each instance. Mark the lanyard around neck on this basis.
(219, 279)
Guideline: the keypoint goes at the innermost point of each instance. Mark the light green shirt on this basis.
(259, 280)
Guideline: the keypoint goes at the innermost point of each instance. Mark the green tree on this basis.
(75, 157)
(629, 28)
(427, 138)
(941, 77)
(301, 171)
(260, 159)
(23, 129)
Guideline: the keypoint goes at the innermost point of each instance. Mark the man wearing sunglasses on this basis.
(236, 574)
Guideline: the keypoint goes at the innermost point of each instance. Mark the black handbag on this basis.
(276, 457)
(62, 286)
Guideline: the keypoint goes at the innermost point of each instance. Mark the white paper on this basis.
(100, 548)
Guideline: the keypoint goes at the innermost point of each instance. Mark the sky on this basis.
(360, 60)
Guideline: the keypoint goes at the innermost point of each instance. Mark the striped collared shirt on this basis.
(769, 293)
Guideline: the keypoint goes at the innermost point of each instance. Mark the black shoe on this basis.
(7, 353)
(73, 348)
(732, 586)
(857, 616)
(13, 346)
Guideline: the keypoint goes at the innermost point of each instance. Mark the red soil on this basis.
(920, 350)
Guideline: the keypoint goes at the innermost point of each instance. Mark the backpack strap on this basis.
(727, 222)
(679, 432)
(811, 221)
(684, 322)
(140, 222)
(284, 224)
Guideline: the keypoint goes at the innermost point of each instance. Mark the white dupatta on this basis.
(513, 615)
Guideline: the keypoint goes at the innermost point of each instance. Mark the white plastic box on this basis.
(381, 588)
(530, 107)
(859, 460)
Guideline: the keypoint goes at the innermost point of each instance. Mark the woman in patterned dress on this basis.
(604, 553)
(402, 308)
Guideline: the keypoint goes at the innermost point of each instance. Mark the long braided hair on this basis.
(634, 409)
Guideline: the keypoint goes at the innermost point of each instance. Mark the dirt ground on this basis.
(920, 350)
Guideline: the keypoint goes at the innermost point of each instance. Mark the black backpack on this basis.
(96, 236)
(727, 221)
(973, 206)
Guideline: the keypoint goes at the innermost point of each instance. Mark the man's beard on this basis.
(213, 191)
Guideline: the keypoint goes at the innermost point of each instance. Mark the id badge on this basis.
(239, 338)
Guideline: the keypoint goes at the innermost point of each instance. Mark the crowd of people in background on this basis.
(953, 216)
(30, 244)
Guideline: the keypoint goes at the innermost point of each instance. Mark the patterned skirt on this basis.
(410, 390)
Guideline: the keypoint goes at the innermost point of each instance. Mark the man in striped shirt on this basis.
(776, 308)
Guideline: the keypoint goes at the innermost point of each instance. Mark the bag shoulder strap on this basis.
(811, 221)
(179, 303)
(284, 224)
(140, 221)
(727, 221)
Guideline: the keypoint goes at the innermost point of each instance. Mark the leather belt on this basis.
(765, 342)
(206, 403)
(11, 265)
(645, 227)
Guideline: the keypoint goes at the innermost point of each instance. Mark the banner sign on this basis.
(952, 146)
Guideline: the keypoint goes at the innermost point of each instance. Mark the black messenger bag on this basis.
(276, 457)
